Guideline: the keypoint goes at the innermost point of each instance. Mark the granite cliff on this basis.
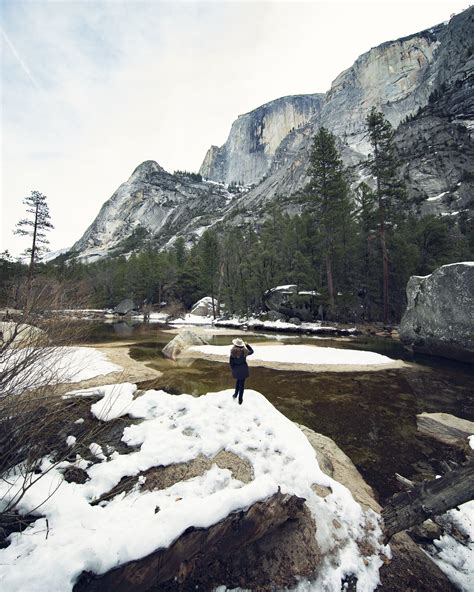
(423, 83)
(247, 155)
(152, 205)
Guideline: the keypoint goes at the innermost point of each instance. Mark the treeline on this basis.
(355, 246)
(237, 266)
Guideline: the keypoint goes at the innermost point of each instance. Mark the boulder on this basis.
(273, 316)
(21, 335)
(125, 307)
(242, 549)
(440, 313)
(204, 308)
(295, 321)
(181, 342)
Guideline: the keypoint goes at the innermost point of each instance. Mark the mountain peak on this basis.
(147, 167)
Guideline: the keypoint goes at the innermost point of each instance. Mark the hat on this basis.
(238, 342)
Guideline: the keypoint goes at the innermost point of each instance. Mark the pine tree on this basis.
(389, 192)
(36, 226)
(329, 198)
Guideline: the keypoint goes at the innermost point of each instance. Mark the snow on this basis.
(302, 354)
(253, 323)
(454, 558)
(437, 196)
(177, 429)
(191, 319)
(115, 401)
(60, 364)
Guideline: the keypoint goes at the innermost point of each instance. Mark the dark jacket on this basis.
(238, 361)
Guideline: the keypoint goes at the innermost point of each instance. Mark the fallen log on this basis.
(428, 499)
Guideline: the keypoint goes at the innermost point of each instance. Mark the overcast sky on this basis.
(90, 89)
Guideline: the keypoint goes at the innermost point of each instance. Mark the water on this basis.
(370, 415)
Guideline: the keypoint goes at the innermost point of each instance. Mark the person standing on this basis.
(239, 366)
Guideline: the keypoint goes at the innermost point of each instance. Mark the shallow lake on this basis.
(370, 415)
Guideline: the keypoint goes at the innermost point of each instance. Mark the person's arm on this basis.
(249, 349)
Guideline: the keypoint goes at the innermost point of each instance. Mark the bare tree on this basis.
(34, 419)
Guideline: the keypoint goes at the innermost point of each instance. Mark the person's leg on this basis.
(236, 388)
(241, 391)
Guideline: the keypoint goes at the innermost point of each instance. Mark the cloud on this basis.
(91, 89)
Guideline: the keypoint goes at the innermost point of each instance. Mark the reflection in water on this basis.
(370, 415)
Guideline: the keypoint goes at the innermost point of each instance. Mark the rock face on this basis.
(423, 84)
(152, 205)
(181, 342)
(426, 78)
(440, 313)
(202, 557)
(254, 137)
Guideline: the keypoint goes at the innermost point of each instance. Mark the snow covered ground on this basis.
(453, 557)
(57, 365)
(456, 559)
(302, 354)
(71, 535)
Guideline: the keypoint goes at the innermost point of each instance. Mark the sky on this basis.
(90, 89)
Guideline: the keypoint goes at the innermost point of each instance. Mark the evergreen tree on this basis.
(329, 196)
(35, 226)
(389, 192)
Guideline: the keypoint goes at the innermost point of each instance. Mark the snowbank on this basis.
(451, 556)
(177, 429)
(301, 354)
(57, 365)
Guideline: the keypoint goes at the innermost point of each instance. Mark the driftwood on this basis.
(427, 499)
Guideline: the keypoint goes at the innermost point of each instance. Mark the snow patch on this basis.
(97, 538)
(302, 354)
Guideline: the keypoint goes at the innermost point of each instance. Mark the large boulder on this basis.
(16, 334)
(125, 307)
(439, 318)
(204, 308)
(225, 552)
(181, 342)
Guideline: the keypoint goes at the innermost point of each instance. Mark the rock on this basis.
(440, 313)
(410, 568)
(181, 342)
(339, 466)
(125, 307)
(419, 82)
(226, 552)
(21, 334)
(75, 475)
(204, 307)
(294, 321)
(426, 532)
(273, 316)
(446, 428)
(254, 137)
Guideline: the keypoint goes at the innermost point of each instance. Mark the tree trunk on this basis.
(385, 272)
(330, 282)
(428, 499)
